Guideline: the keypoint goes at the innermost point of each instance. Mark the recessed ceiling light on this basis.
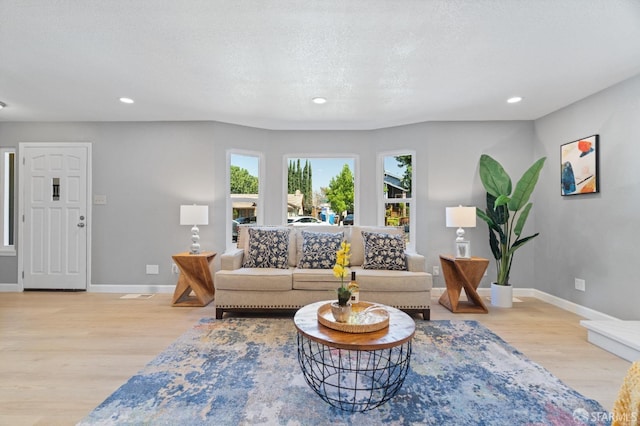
(2, 105)
(126, 100)
(514, 100)
(319, 100)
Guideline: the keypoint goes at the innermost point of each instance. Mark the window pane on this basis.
(243, 190)
(398, 214)
(323, 188)
(244, 175)
(397, 176)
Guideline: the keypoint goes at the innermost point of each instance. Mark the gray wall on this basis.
(593, 237)
(147, 170)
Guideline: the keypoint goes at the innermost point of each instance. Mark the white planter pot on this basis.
(501, 295)
(341, 313)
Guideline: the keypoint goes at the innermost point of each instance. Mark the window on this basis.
(396, 207)
(244, 191)
(7, 200)
(323, 188)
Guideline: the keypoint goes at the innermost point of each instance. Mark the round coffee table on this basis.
(354, 371)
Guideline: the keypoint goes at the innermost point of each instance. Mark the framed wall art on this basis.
(579, 166)
(463, 249)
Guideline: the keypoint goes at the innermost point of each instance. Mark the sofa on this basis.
(288, 267)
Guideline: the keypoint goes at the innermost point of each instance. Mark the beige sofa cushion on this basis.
(316, 279)
(392, 281)
(368, 280)
(357, 242)
(254, 279)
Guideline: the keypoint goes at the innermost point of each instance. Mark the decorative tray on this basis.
(365, 318)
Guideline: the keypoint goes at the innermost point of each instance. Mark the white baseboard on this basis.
(545, 297)
(10, 288)
(583, 311)
(106, 288)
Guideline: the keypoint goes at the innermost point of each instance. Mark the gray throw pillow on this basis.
(319, 249)
(268, 248)
(384, 251)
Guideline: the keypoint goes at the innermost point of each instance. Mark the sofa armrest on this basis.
(415, 262)
(231, 259)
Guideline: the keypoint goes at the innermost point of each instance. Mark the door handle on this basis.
(81, 225)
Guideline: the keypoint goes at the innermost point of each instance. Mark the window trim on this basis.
(259, 201)
(7, 250)
(356, 176)
(383, 200)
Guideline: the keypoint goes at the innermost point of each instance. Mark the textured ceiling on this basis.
(259, 63)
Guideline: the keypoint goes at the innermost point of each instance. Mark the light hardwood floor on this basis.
(62, 354)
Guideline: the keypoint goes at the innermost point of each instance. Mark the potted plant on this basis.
(506, 215)
(341, 309)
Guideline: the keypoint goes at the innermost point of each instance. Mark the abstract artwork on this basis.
(579, 166)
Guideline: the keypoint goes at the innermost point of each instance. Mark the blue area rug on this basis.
(244, 371)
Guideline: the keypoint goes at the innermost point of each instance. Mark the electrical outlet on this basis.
(174, 269)
(99, 199)
(580, 284)
(436, 271)
(153, 269)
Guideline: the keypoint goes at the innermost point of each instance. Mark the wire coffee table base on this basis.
(353, 380)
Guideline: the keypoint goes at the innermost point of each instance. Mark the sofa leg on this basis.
(426, 314)
(219, 313)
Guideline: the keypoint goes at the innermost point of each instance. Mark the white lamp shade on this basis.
(461, 217)
(194, 215)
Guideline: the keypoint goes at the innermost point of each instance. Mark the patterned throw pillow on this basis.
(384, 251)
(319, 249)
(268, 248)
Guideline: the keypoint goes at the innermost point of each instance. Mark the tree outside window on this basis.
(322, 187)
(244, 191)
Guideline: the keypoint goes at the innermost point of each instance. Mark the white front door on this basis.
(55, 216)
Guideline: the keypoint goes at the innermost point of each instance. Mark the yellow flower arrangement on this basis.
(341, 270)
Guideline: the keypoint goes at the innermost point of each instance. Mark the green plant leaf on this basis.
(524, 214)
(526, 185)
(344, 294)
(499, 215)
(495, 245)
(519, 243)
(493, 176)
(501, 201)
(495, 219)
(502, 215)
(482, 215)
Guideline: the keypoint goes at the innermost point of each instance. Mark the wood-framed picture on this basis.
(579, 166)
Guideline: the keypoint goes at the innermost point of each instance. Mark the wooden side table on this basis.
(462, 274)
(195, 275)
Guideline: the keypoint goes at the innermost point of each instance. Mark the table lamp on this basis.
(194, 215)
(461, 217)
